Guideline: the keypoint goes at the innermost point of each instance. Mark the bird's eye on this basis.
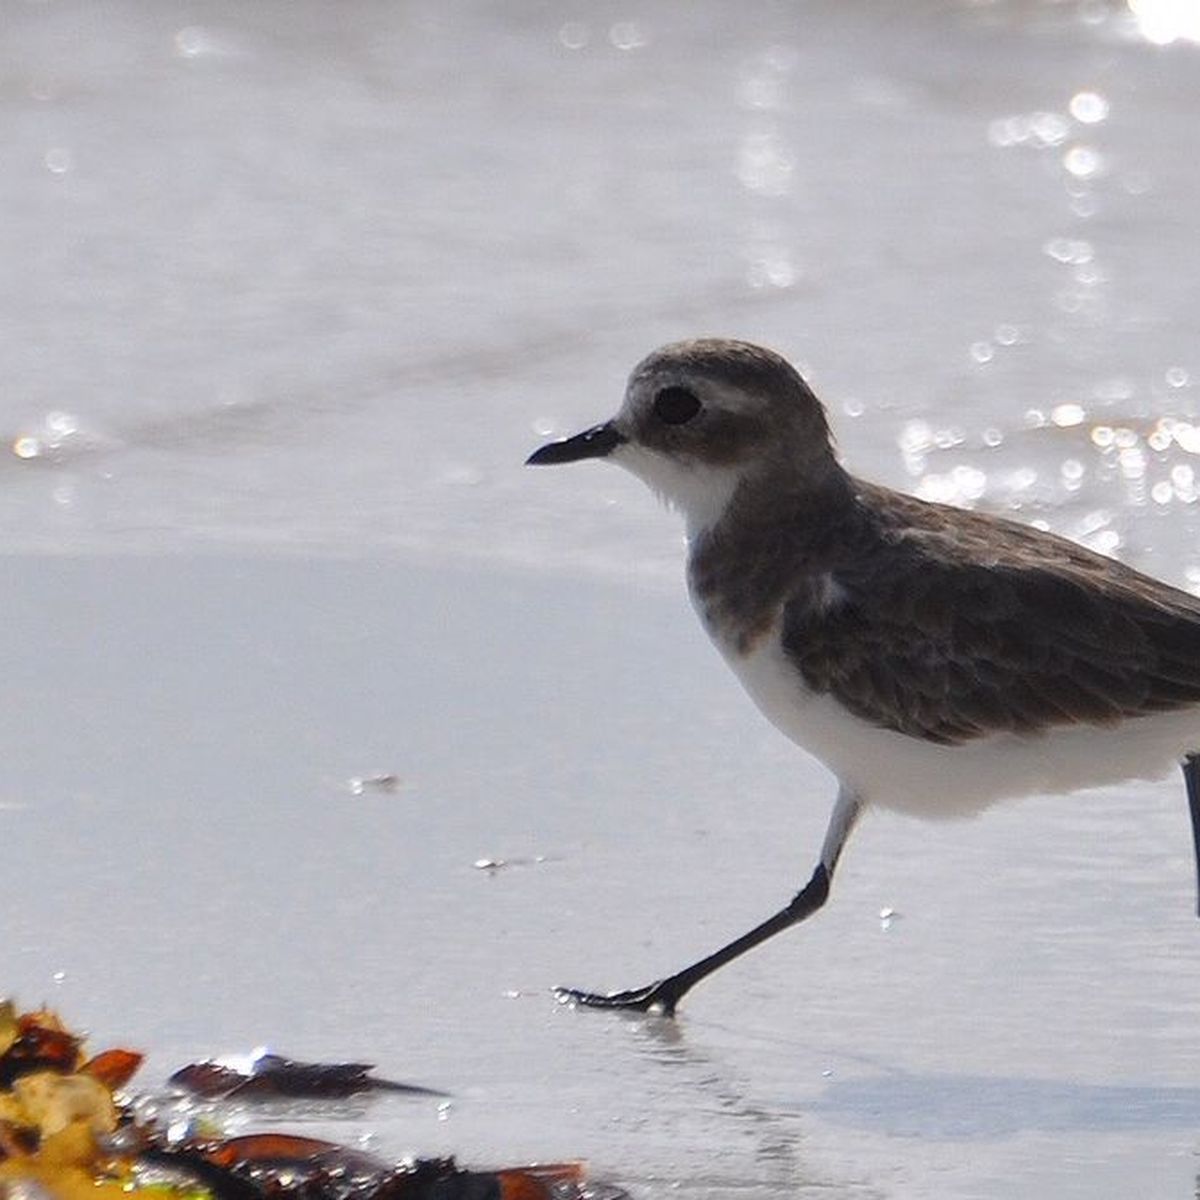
(676, 405)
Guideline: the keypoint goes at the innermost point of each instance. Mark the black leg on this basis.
(663, 995)
(1191, 777)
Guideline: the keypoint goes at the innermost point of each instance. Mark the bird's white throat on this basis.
(699, 491)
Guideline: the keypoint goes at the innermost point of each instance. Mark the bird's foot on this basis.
(660, 997)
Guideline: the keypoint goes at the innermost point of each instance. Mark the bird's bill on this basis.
(597, 442)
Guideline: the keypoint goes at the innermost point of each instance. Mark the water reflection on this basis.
(1165, 21)
(723, 1098)
(766, 168)
(1088, 108)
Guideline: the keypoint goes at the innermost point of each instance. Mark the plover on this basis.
(936, 660)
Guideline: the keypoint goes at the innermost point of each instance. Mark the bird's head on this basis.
(702, 417)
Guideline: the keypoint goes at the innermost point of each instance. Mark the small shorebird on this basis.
(935, 660)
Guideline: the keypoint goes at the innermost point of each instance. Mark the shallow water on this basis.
(291, 291)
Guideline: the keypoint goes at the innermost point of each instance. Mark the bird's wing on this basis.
(932, 639)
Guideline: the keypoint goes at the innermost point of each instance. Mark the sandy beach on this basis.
(294, 647)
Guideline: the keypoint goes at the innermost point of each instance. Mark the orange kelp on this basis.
(65, 1128)
(57, 1109)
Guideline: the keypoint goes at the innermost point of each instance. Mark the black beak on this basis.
(597, 442)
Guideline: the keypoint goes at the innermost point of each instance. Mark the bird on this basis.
(936, 660)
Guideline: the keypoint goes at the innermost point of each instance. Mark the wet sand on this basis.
(183, 842)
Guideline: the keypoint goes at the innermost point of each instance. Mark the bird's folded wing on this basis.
(950, 650)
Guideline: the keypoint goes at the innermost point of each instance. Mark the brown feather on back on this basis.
(950, 626)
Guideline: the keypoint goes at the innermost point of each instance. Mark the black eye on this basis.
(675, 405)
